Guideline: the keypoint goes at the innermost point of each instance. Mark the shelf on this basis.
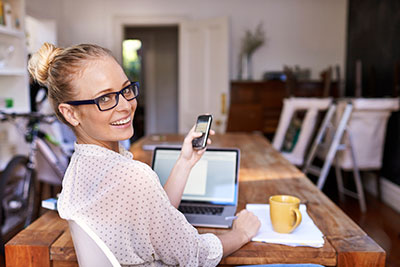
(14, 80)
(15, 110)
(11, 32)
(13, 72)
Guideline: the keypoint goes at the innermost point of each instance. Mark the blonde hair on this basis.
(56, 68)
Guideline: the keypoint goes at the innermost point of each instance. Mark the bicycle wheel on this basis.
(18, 198)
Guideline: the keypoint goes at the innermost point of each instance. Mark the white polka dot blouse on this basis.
(123, 202)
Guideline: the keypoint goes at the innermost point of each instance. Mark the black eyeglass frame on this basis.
(97, 99)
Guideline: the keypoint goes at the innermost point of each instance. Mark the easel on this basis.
(334, 146)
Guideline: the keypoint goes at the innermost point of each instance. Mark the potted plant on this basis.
(251, 41)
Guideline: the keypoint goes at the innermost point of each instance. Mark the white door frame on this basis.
(119, 22)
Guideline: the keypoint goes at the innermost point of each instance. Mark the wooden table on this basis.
(263, 172)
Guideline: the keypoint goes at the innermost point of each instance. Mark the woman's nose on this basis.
(123, 104)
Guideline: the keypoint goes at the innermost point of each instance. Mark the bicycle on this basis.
(17, 181)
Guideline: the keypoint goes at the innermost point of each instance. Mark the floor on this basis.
(380, 222)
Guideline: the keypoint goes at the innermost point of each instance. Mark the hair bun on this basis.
(39, 63)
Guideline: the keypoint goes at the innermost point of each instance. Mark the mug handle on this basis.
(298, 218)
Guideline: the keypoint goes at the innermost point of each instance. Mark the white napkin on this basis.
(306, 234)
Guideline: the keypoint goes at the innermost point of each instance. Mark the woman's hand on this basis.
(244, 228)
(247, 224)
(188, 154)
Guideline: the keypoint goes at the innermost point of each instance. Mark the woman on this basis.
(119, 198)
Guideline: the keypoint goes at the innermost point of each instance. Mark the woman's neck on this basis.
(112, 145)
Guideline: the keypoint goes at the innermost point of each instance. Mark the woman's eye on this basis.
(104, 99)
(127, 91)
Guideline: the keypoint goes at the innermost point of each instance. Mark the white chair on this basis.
(367, 127)
(290, 106)
(329, 142)
(89, 248)
(353, 143)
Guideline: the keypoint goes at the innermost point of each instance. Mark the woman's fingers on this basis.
(248, 223)
(192, 135)
(201, 152)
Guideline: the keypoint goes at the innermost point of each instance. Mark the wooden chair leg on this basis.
(360, 190)
(357, 177)
(339, 180)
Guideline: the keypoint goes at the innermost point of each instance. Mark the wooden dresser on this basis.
(256, 105)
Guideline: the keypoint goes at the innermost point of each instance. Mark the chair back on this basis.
(89, 248)
(290, 106)
(367, 127)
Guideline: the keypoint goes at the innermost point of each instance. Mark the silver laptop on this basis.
(211, 193)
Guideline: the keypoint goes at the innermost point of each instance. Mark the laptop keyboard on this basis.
(201, 210)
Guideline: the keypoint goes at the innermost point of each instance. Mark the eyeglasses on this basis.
(110, 100)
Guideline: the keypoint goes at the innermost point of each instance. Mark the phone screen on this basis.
(203, 126)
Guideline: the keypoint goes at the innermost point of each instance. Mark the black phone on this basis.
(203, 125)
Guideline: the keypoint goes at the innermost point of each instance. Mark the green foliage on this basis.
(252, 41)
(131, 60)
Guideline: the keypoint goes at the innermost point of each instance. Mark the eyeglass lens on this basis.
(108, 101)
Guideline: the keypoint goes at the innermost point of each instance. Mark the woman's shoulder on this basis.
(97, 151)
(133, 168)
(88, 154)
(106, 164)
(93, 179)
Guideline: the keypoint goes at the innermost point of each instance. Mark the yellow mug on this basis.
(285, 213)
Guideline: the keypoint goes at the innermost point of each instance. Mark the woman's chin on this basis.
(125, 135)
(122, 133)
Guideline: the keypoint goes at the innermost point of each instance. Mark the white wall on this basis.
(310, 33)
(40, 31)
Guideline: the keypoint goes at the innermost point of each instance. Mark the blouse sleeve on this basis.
(157, 230)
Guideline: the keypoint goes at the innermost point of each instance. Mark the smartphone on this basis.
(203, 125)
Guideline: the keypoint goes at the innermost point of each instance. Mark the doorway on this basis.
(150, 56)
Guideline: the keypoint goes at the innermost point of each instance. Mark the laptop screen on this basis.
(213, 179)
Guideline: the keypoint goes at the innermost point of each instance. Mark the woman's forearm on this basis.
(232, 241)
(180, 172)
(176, 182)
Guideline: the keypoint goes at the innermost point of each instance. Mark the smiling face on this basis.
(92, 126)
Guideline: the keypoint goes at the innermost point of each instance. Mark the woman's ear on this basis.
(69, 114)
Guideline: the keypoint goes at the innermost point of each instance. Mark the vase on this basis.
(249, 68)
(244, 67)
(240, 68)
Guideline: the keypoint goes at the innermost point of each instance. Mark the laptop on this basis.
(211, 193)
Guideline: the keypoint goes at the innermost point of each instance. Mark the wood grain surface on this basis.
(258, 159)
(264, 172)
(63, 248)
(30, 247)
